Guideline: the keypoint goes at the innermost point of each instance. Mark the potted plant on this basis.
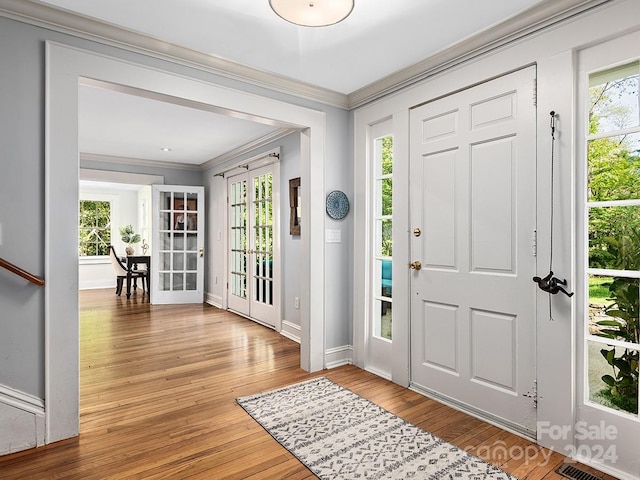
(129, 237)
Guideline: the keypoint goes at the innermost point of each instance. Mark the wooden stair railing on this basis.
(21, 273)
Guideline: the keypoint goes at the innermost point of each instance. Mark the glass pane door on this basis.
(252, 235)
(262, 245)
(238, 295)
(179, 232)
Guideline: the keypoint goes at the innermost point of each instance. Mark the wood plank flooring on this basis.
(158, 387)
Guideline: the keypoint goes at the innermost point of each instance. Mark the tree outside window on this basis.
(94, 232)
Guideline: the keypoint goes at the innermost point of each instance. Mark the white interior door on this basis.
(473, 197)
(177, 263)
(253, 286)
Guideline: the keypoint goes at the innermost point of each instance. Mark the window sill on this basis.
(97, 260)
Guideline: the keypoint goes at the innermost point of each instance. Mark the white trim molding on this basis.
(291, 331)
(65, 66)
(338, 356)
(45, 16)
(22, 421)
(213, 300)
(520, 26)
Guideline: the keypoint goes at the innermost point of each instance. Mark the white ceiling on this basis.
(113, 123)
(379, 38)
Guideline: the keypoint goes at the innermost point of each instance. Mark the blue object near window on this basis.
(386, 277)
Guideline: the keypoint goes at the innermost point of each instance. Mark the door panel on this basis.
(238, 296)
(473, 196)
(177, 266)
(253, 287)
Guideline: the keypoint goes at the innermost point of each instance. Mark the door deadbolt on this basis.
(417, 232)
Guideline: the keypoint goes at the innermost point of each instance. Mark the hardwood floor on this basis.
(158, 388)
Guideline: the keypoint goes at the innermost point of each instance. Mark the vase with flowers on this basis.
(129, 237)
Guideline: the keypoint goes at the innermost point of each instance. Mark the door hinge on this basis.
(535, 92)
(534, 243)
(533, 394)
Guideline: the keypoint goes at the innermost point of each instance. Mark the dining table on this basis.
(133, 263)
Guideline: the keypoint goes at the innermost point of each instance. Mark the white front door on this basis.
(473, 199)
(177, 258)
(253, 287)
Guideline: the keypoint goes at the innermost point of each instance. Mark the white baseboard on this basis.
(338, 356)
(291, 331)
(214, 300)
(21, 421)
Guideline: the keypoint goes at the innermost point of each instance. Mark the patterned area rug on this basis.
(340, 435)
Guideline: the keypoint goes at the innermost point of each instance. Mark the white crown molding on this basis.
(527, 23)
(247, 148)
(141, 162)
(41, 15)
(214, 162)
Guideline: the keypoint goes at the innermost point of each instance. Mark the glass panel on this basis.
(192, 201)
(384, 153)
(614, 305)
(165, 200)
(192, 281)
(192, 221)
(178, 221)
(192, 261)
(382, 319)
(613, 99)
(178, 283)
(165, 241)
(178, 261)
(614, 237)
(165, 282)
(386, 196)
(613, 376)
(178, 241)
(165, 261)
(192, 242)
(614, 168)
(165, 221)
(385, 238)
(178, 201)
(384, 267)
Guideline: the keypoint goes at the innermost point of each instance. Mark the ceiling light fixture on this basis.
(312, 13)
(165, 149)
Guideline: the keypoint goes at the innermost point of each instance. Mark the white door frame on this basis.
(65, 68)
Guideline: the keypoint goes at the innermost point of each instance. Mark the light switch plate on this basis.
(333, 236)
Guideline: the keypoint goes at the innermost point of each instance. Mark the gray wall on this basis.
(22, 119)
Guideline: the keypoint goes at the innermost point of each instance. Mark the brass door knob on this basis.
(417, 265)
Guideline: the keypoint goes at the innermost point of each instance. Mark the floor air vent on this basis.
(575, 473)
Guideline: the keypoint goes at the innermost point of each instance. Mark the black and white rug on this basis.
(340, 435)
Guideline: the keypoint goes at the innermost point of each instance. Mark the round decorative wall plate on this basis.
(337, 205)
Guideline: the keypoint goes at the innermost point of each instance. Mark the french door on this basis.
(473, 199)
(253, 270)
(177, 263)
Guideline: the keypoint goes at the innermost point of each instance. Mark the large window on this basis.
(383, 238)
(94, 232)
(613, 223)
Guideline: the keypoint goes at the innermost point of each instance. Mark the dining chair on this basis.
(120, 270)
